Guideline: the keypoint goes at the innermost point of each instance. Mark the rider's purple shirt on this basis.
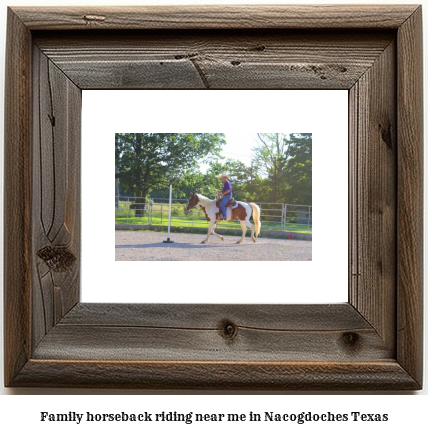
(227, 186)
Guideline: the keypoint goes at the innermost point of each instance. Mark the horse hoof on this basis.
(222, 238)
(254, 241)
(203, 242)
(238, 242)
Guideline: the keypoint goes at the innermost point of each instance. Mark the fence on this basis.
(154, 211)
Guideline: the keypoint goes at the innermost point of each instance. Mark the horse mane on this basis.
(204, 200)
(201, 196)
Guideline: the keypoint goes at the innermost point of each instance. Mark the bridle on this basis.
(197, 201)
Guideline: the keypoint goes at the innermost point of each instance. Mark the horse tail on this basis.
(256, 217)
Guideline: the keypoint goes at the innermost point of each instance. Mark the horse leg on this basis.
(244, 229)
(252, 227)
(217, 235)
(210, 229)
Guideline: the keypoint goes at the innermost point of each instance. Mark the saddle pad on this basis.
(217, 204)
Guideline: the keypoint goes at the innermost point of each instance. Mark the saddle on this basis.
(231, 204)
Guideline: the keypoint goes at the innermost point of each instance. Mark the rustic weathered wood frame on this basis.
(372, 342)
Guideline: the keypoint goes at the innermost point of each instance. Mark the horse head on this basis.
(193, 201)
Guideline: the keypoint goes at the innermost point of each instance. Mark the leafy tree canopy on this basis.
(148, 160)
(280, 171)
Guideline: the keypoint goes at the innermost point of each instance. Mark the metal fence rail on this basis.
(154, 211)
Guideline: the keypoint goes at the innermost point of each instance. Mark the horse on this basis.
(241, 211)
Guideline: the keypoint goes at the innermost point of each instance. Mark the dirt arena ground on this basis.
(149, 246)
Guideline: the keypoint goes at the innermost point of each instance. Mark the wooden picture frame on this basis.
(372, 342)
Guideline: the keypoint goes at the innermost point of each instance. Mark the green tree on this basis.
(208, 183)
(270, 154)
(297, 171)
(284, 168)
(146, 161)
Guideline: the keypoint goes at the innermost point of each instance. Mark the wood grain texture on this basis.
(410, 196)
(208, 316)
(372, 342)
(216, 59)
(56, 194)
(197, 332)
(385, 375)
(222, 16)
(373, 177)
(17, 197)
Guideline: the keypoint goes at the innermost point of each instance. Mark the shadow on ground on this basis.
(180, 245)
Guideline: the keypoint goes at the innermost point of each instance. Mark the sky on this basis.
(238, 147)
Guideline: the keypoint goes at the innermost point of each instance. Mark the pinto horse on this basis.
(212, 213)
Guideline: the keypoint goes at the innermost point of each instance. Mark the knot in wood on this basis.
(89, 18)
(58, 259)
(228, 330)
(351, 340)
(186, 56)
(386, 134)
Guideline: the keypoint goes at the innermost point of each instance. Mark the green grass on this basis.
(203, 224)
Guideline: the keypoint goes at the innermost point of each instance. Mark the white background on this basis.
(322, 280)
(22, 412)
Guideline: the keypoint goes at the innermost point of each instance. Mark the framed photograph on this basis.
(372, 341)
(283, 249)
